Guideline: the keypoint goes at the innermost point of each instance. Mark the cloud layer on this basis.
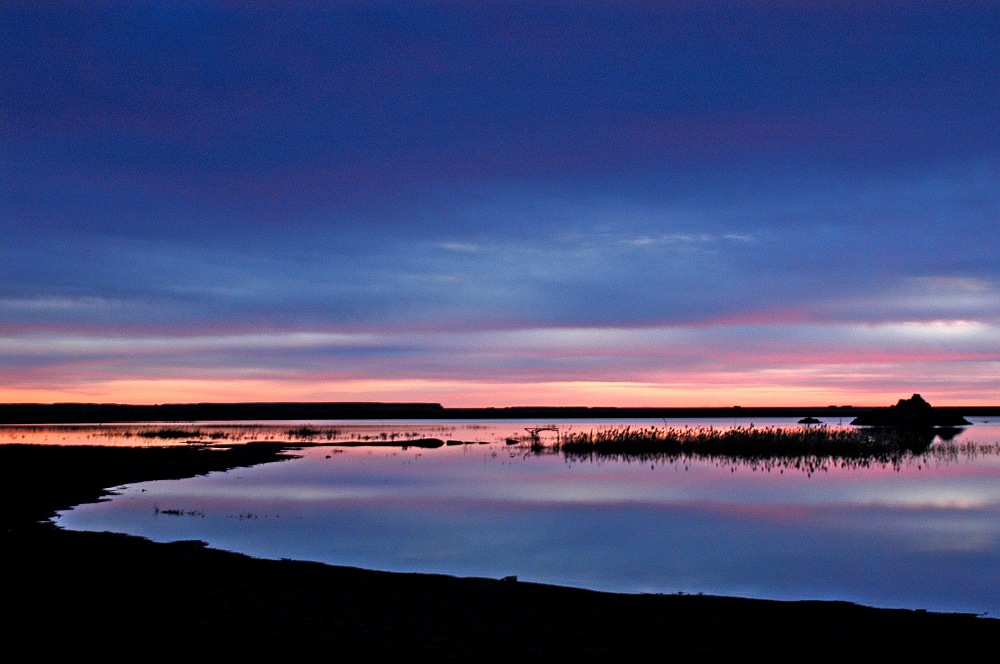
(619, 203)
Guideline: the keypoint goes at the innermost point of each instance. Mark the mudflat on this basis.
(115, 596)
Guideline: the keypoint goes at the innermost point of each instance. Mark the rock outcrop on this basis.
(914, 412)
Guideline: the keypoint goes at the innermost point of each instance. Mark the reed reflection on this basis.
(806, 449)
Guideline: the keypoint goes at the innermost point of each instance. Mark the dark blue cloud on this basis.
(285, 113)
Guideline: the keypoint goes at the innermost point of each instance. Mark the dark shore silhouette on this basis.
(96, 413)
(110, 596)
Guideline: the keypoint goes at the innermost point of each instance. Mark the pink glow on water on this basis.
(870, 534)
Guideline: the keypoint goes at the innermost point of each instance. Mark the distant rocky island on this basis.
(914, 412)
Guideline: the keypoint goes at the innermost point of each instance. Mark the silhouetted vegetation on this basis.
(806, 448)
(303, 432)
(168, 433)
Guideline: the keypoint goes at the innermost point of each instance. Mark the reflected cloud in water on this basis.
(921, 531)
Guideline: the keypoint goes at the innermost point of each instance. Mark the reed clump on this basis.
(303, 432)
(806, 448)
(169, 433)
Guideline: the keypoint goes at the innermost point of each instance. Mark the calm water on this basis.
(923, 534)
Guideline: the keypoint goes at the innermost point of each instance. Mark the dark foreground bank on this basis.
(113, 596)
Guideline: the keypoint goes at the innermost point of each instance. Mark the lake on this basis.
(919, 532)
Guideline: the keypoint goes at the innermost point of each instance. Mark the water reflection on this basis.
(921, 531)
(392, 432)
(807, 449)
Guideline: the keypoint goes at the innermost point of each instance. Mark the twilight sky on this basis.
(509, 203)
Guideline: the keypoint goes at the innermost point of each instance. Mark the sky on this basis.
(690, 203)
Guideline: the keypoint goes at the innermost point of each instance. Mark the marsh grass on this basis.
(169, 433)
(803, 448)
(304, 432)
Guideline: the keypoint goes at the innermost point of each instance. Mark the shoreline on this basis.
(110, 594)
(92, 413)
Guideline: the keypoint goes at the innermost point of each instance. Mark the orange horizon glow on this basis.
(474, 394)
(952, 363)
